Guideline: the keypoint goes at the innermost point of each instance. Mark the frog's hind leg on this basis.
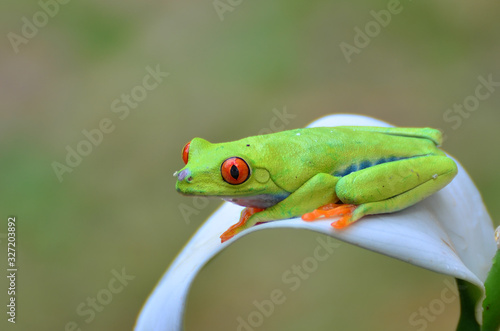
(392, 186)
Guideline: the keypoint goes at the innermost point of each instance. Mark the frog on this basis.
(344, 172)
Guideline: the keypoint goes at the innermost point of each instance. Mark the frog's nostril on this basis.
(183, 174)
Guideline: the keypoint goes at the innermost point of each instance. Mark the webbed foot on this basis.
(330, 210)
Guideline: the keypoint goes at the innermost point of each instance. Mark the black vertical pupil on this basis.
(235, 173)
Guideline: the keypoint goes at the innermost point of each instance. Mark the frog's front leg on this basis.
(317, 191)
(392, 186)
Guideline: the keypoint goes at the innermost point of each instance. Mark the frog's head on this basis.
(224, 170)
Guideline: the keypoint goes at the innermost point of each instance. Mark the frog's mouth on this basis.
(249, 197)
(257, 201)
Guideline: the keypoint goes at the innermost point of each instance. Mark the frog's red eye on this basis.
(235, 170)
(185, 153)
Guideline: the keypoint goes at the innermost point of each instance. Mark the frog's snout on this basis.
(183, 174)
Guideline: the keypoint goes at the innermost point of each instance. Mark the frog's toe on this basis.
(332, 210)
(241, 225)
(321, 212)
(341, 223)
(228, 234)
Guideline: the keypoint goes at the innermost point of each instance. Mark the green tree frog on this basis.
(318, 173)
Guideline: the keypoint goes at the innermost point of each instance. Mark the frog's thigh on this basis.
(395, 185)
(316, 192)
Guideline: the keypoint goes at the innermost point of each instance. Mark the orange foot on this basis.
(330, 210)
(234, 229)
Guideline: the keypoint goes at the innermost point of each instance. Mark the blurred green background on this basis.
(118, 208)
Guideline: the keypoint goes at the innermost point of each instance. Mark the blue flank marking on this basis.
(393, 158)
(365, 164)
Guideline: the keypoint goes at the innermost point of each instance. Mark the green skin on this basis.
(380, 170)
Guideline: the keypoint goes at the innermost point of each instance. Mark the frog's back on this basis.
(302, 153)
(372, 142)
(350, 137)
(329, 133)
(425, 133)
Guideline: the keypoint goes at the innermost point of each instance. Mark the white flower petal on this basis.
(450, 233)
